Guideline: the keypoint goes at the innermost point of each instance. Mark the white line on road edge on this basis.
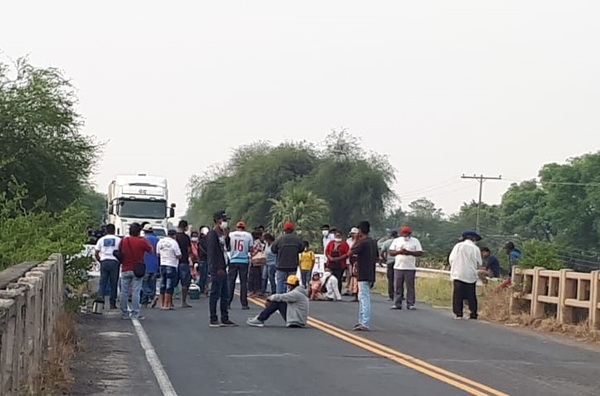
(157, 368)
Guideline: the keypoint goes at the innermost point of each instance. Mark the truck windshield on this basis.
(143, 209)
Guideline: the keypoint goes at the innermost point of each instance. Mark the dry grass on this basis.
(57, 377)
(494, 306)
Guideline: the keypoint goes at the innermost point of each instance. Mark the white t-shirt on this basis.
(464, 260)
(107, 245)
(168, 250)
(403, 261)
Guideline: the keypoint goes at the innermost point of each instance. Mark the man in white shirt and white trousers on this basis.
(465, 259)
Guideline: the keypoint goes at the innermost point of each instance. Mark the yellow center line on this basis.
(447, 377)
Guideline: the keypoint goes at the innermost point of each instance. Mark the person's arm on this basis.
(394, 250)
(314, 259)
(275, 246)
(453, 254)
(289, 297)
(97, 250)
(357, 248)
(177, 250)
(345, 252)
(418, 252)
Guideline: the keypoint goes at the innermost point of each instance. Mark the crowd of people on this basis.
(216, 258)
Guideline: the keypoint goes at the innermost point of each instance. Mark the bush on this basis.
(540, 254)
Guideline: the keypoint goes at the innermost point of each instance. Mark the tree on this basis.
(524, 212)
(425, 209)
(301, 206)
(489, 217)
(40, 130)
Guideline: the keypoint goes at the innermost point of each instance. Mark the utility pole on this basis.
(480, 179)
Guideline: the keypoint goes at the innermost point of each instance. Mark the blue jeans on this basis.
(185, 275)
(203, 275)
(364, 303)
(305, 274)
(168, 279)
(269, 277)
(219, 291)
(148, 287)
(128, 279)
(281, 276)
(109, 279)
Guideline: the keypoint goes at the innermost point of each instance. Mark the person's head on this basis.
(269, 238)
(325, 229)
(339, 237)
(256, 235)
(353, 232)
(194, 236)
(306, 246)
(364, 228)
(471, 236)
(394, 234)
(261, 228)
(148, 229)
(485, 252)
(204, 230)
(220, 218)
(172, 234)
(405, 232)
(292, 282)
(289, 227)
(509, 247)
(135, 229)
(240, 226)
(316, 276)
(110, 229)
(182, 226)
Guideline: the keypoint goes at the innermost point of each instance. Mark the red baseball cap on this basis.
(240, 224)
(289, 226)
(405, 230)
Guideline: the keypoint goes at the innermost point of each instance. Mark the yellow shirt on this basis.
(306, 260)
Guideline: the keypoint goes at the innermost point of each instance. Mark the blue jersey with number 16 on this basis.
(241, 243)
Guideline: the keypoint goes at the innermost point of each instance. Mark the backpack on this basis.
(324, 287)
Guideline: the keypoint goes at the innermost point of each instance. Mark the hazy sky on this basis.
(441, 87)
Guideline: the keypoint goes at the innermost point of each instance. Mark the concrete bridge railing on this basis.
(31, 299)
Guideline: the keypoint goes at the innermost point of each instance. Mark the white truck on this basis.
(139, 198)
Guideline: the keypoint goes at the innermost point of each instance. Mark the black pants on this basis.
(109, 279)
(390, 279)
(464, 291)
(339, 274)
(242, 270)
(271, 309)
(219, 291)
(255, 279)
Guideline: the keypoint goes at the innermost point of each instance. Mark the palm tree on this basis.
(301, 206)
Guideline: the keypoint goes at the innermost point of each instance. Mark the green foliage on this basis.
(357, 185)
(302, 207)
(41, 140)
(540, 254)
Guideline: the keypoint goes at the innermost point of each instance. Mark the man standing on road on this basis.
(287, 248)
(293, 306)
(109, 265)
(185, 265)
(328, 235)
(367, 253)
(151, 261)
(170, 254)
(389, 261)
(465, 259)
(405, 249)
(132, 249)
(241, 242)
(217, 267)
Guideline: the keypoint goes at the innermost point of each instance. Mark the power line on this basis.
(480, 179)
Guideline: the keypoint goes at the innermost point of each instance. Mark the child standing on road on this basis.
(307, 263)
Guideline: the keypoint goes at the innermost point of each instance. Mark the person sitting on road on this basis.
(330, 287)
(315, 293)
(293, 306)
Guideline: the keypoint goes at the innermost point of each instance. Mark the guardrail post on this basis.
(537, 307)
(564, 314)
(594, 315)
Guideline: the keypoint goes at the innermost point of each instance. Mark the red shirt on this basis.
(342, 250)
(133, 249)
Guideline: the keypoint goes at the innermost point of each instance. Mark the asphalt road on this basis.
(422, 353)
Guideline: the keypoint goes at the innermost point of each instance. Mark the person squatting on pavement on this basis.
(293, 306)
(465, 260)
(217, 266)
(405, 250)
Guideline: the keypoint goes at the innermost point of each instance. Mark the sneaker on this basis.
(139, 317)
(154, 301)
(411, 307)
(113, 306)
(125, 317)
(456, 317)
(254, 322)
(228, 323)
(356, 326)
(214, 323)
(395, 307)
(245, 308)
(361, 328)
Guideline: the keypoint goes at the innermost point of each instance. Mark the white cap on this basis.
(354, 230)
(148, 227)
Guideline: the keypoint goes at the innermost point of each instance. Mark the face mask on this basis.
(223, 225)
(338, 239)
(325, 233)
(194, 239)
(406, 238)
